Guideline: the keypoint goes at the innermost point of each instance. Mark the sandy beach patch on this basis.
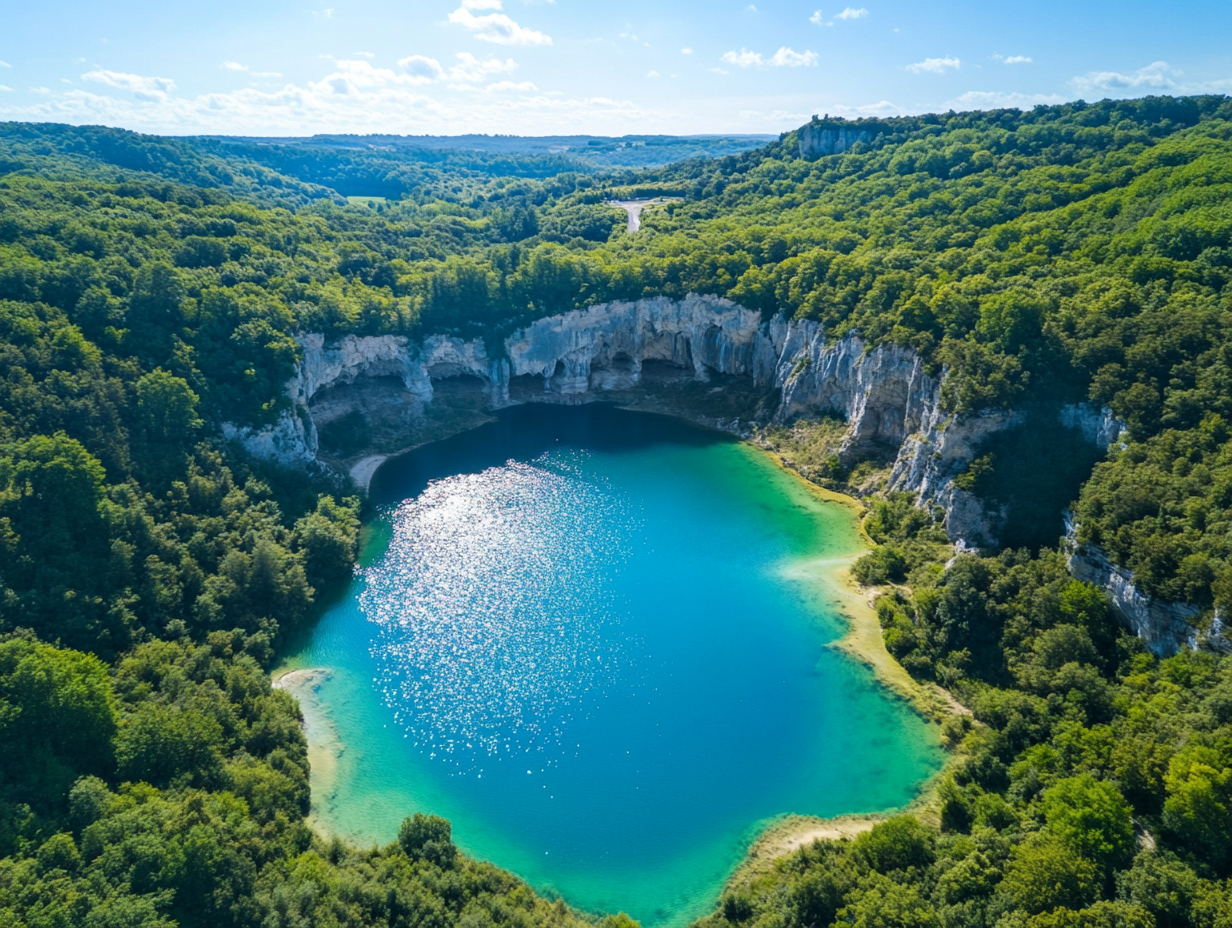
(857, 606)
(362, 472)
(797, 831)
(325, 747)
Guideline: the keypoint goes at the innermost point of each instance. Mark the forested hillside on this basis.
(151, 289)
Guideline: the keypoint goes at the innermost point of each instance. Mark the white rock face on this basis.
(1163, 627)
(416, 364)
(885, 395)
(891, 403)
(288, 441)
(818, 140)
(1098, 425)
(604, 347)
(931, 459)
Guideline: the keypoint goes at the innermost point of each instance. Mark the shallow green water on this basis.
(596, 642)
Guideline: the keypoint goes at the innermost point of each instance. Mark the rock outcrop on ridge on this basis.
(891, 403)
(1164, 627)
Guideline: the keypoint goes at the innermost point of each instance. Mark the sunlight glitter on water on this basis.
(472, 665)
(596, 641)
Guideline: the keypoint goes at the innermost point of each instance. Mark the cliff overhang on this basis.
(703, 358)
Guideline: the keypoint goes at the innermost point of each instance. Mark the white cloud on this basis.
(1157, 76)
(4, 89)
(786, 58)
(783, 58)
(719, 71)
(880, 108)
(348, 99)
(991, 100)
(495, 27)
(40, 89)
(470, 68)
(236, 66)
(1019, 59)
(848, 13)
(364, 55)
(503, 86)
(422, 69)
(653, 74)
(144, 87)
(780, 117)
(744, 58)
(934, 66)
(5, 64)
(686, 51)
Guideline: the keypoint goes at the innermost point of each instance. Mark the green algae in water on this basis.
(596, 641)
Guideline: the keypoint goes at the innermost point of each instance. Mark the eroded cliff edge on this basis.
(702, 358)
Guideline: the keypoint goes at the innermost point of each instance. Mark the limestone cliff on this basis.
(931, 458)
(1164, 627)
(1097, 423)
(893, 409)
(416, 364)
(817, 139)
(291, 441)
(891, 403)
(605, 347)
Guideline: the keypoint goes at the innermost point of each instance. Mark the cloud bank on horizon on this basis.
(536, 67)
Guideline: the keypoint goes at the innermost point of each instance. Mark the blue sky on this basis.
(536, 67)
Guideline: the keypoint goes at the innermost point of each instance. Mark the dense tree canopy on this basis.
(153, 289)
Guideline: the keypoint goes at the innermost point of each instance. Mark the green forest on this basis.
(152, 289)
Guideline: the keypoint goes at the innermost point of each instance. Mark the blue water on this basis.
(596, 641)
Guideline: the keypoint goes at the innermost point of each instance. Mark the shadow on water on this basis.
(523, 433)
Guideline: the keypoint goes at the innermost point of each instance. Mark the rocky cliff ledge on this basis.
(891, 404)
(1164, 627)
(817, 139)
(625, 350)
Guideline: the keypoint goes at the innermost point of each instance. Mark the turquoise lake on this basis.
(597, 642)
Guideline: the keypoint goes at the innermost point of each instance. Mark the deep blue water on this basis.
(596, 641)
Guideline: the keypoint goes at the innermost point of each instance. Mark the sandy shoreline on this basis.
(863, 640)
(363, 471)
(325, 746)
